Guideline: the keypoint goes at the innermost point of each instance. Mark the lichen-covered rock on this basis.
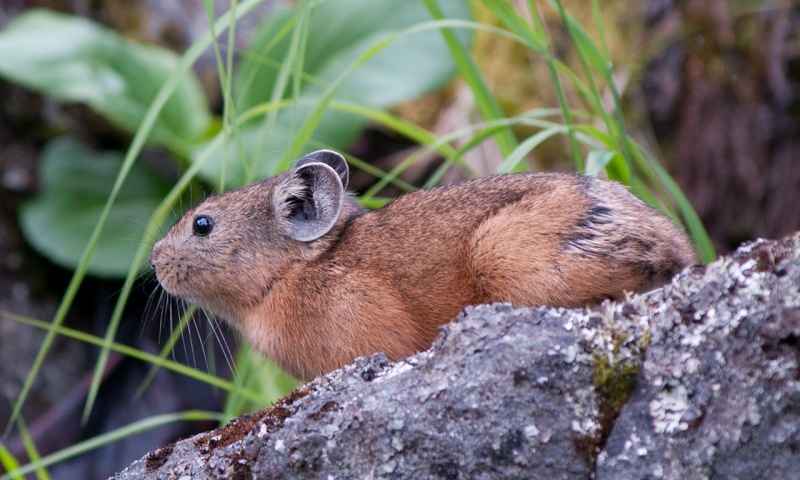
(544, 393)
(719, 393)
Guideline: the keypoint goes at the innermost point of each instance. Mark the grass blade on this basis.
(484, 99)
(132, 352)
(9, 463)
(517, 157)
(113, 436)
(31, 450)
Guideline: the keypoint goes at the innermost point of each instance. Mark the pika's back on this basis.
(529, 238)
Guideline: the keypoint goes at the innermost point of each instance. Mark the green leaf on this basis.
(8, 461)
(155, 360)
(257, 373)
(76, 60)
(340, 34)
(515, 161)
(31, 450)
(112, 436)
(597, 161)
(534, 39)
(76, 183)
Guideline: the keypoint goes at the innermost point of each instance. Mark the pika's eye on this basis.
(202, 225)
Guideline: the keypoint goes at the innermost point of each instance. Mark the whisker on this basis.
(227, 353)
(152, 304)
(188, 330)
(201, 340)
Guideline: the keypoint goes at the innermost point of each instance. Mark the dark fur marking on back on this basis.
(509, 200)
(584, 237)
(670, 268)
(600, 215)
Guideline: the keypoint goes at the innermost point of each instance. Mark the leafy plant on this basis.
(75, 184)
(73, 59)
(8, 462)
(76, 60)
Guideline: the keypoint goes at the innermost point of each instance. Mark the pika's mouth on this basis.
(166, 284)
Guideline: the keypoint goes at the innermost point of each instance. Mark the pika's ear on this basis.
(310, 200)
(331, 159)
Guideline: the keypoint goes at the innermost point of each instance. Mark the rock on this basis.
(551, 393)
(719, 393)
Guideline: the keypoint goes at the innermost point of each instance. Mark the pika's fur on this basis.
(313, 280)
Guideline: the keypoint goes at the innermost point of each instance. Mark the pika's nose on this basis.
(154, 254)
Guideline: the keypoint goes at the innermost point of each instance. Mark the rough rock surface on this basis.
(719, 393)
(697, 380)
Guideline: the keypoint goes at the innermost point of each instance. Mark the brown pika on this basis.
(313, 280)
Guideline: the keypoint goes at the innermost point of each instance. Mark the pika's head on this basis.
(225, 253)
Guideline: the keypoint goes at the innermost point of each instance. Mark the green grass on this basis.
(596, 138)
(40, 464)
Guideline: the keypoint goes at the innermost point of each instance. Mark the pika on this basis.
(313, 280)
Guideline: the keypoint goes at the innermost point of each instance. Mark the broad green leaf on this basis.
(73, 59)
(76, 183)
(340, 32)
